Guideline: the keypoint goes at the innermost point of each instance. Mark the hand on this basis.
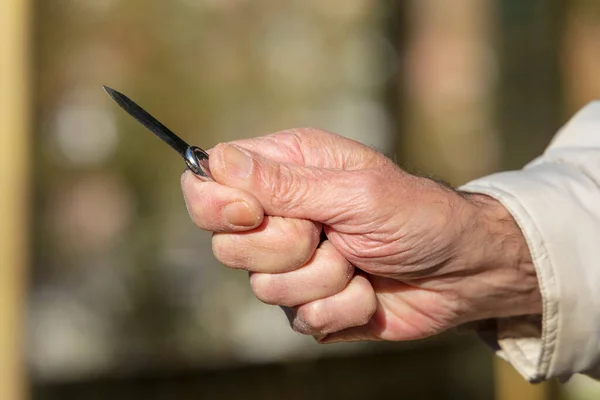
(405, 258)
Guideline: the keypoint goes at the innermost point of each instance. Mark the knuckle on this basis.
(340, 269)
(302, 233)
(312, 318)
(227, 252)
(334, 257)
(347, 270)
(371, 182)
(301, 237)
(264, 288)
(298, 325)
(286, 188)
(370, 188)
(280, 184)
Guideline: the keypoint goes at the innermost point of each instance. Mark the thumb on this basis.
(286, 189)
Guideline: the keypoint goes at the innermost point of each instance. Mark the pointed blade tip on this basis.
(109, 90)
(117, 96)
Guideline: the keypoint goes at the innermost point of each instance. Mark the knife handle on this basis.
(197, 161)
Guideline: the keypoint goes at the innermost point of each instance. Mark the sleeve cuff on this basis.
(556, 208)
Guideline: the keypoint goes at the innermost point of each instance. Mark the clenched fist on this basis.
(405, 257)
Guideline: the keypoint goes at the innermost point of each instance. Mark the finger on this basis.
(290, 190)
(219, 208)
(311, 147)
(277, 245)
(353, 306)
(326, 274)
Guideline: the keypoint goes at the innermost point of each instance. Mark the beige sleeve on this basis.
(556, 202)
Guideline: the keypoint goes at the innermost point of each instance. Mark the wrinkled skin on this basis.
(405, 257)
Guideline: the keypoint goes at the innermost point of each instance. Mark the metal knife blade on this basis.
(195, 158)
(143, 117)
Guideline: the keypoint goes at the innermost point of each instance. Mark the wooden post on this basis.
(511, 386)
(580, 55)
(14, 204)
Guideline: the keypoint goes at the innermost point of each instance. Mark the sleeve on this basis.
(555, 200)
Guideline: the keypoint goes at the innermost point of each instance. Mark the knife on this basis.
(195, 158)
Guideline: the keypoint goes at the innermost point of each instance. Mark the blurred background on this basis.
(108, 289)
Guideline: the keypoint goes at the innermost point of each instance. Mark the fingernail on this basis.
(239, 213)
(237, 163)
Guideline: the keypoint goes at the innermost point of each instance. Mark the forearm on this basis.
(495, 248)
(554, 201)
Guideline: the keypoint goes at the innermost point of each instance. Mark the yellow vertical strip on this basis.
(580, 56)
(511, 386)
(14, 204)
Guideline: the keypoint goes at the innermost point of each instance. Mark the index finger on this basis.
(218, 208)
(312, 147)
